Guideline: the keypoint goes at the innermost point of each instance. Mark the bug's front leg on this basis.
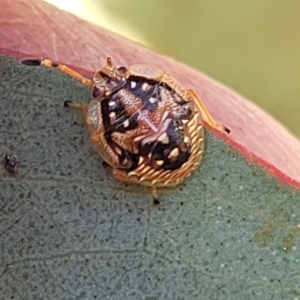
(51, 64)
(154, 195)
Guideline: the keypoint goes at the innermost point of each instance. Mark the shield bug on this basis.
(143, 123)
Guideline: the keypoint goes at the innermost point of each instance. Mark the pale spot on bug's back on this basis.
(186, 139)
(145, 86)
(111, 103)
(126, 123)
(152, 100)
(133, 84)
(112, 115)
(174, 153)
(159, 162)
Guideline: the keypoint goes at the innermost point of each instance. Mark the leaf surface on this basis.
(69, 230)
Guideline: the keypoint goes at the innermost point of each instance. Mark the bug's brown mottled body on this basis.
(144, 124)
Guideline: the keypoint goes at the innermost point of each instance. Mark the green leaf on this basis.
(69, 230)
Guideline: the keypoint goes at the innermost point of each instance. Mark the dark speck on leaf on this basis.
(11, 165)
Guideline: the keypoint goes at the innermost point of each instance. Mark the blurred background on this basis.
(251, 46)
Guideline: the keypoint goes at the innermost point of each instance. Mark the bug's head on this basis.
(109, 79)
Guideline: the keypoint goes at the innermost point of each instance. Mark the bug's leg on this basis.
(82, 106)
(51, 64)
(206, 115)
(154, 195)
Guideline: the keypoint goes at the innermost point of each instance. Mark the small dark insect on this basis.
(11, 165)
